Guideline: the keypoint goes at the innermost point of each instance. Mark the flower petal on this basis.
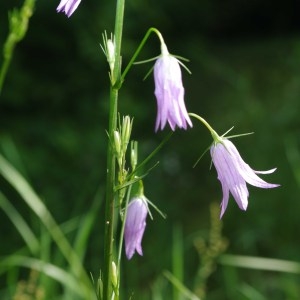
(246, 172)
(68, 6)
(225, 199)
(229, 176)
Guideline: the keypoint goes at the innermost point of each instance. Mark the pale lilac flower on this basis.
(169, 93)
(68, 6)
(135, 225)
(233, 174)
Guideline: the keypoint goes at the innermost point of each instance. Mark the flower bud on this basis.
(114, 275)
(134, 154)
(117, 143)
(111, 54)
(125, 133)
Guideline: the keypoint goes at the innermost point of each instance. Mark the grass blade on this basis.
(24, 230)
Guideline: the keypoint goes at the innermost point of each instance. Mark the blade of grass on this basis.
(48, 269)
(38, 207)
(86, 225)
(180, 286)
(177, 259)
(47, 254)
(20, 224)
(250, 293)
(10, 151)
(260, 263)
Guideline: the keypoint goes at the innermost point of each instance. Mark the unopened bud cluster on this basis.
(121, 140)
(109, 50)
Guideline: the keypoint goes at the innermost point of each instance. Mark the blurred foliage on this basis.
(245, 63)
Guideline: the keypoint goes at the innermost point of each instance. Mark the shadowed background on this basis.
(245, 63)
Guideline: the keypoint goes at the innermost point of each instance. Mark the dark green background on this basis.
(245, 63)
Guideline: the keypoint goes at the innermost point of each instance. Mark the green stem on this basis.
(215, 136)
(116, 76)
(122, 236)
(18, 23)
(139, 49)
(110, 199)
(111, 163)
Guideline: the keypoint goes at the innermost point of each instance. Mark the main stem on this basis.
(110, 200)
(111, 162)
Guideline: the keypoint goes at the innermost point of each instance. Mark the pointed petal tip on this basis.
(139, 250)
(129, 254)
(265, 172)
(272, 185)
(244, 208)
(223, 209)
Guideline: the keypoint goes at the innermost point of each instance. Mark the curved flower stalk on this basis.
(233, 174)
(68, 6)
(169, 92)
(135, 225)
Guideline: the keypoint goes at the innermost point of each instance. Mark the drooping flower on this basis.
(135, 225)
(68, 6)
(233, 174)
(169, 92)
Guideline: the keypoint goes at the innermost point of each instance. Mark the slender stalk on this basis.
(140, 47)
(116, 76)
(111, 163)
(214, 134)
(203, 121)
(122, 236)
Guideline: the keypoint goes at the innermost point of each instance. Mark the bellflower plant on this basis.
(68, 6)
(169, 92)
(122, 177)
(135, 225)
(233, 174)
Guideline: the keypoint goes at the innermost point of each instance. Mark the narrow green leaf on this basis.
(260, 263)
(48, 269)
(180, 286)
(39, 208)
(20, 224)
